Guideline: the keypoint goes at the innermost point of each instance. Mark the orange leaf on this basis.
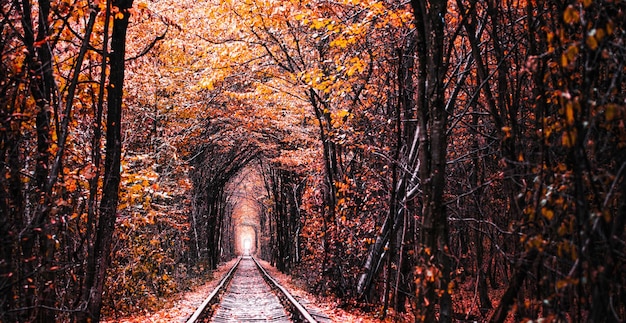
(571, 16)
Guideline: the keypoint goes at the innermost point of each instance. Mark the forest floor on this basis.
(184, 305)
(326, 305)
(181, 306)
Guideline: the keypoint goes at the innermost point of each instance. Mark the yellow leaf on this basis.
(569, 138)
(507, 132)
(569, 113)
(592, 42)
(340, 42)
(609, 28)
(600, 33)
(571, 52)
(562, 230)
(451, 289)
(564, 60)
(571, 16)
(609, 112)
(207, 84)
(71, 186)
(135, 188)
(119, 15)
(547, 213)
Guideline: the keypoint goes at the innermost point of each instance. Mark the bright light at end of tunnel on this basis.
(245, 241)
(246, 246)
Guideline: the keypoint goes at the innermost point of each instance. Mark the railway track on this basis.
(247, 293)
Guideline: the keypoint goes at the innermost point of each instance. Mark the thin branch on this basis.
(151, 45)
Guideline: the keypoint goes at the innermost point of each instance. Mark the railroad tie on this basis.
(249, 298)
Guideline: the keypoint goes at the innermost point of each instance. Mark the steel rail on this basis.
(213, 296)
(301, 311)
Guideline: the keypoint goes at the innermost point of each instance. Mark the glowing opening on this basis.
(245, 240)
(247, 244)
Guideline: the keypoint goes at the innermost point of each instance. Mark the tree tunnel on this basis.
(243, 204)
(247, 195)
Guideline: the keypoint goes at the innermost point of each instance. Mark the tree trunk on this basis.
(514, 287)
(483, 292)
(332, 249)
(41, 86)
(110, 191)
(433, 120)
(11, 216)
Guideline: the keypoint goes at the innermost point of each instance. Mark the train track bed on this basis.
(248, 294)
(249, 298)
(309, 302)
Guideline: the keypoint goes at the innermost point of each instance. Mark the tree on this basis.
(96, 276)
(433, 123)
(54, 88)
(438, 156)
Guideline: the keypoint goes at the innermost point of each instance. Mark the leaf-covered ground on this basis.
(327, 305)
(181, 307)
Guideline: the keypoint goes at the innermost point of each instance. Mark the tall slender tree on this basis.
(96, 276)
(433, 123)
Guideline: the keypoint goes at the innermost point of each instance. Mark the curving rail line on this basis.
(248, 293)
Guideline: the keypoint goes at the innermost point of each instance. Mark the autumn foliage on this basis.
(428, 160)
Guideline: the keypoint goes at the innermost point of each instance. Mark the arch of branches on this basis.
(215, 174)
